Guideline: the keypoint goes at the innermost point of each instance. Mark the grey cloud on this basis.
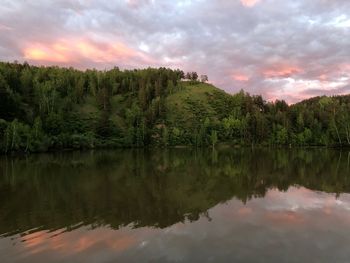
(320, 92)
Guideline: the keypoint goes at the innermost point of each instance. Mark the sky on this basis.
(281, 49)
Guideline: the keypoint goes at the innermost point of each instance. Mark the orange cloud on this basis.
(249, 3)
(281, 72)
(68, 243)
(122, 243)
(45, 54)
(34, 239)
(74, 50)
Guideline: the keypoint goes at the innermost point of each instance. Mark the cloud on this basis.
(278, 48)
(281, 72)
(249, 3)
(240, 77)
(342, 90)
(74, 51)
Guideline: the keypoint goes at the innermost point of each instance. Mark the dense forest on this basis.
(50, 108)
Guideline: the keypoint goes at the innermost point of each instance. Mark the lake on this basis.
(178, 205)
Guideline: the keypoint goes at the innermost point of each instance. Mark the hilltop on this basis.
(50, 108)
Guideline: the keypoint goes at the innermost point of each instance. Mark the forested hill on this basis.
(49, 108)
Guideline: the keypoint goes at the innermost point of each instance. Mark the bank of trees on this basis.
(44, 108)
(47, 108)
(242, 119)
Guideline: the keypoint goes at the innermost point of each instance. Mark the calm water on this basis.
(176, 206)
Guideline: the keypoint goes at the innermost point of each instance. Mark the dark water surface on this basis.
(177, 205)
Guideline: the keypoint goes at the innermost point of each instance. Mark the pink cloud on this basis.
(281, 71)
(136, 3)
(245, 211)
(5, 28)
(240, 77)
(71, 50)
(249, 3)
(284, 217)
(323, 77)
(345, 68)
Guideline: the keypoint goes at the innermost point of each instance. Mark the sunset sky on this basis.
(282, 49)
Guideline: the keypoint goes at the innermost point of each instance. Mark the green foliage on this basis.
(213, 138)
(47, 108)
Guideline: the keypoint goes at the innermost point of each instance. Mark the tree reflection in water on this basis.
(152, 188)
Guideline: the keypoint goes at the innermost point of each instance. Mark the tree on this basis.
(281, 135)
(142, 96)
(214, 138)
(192, 76)
(204, 78)
(26, 80)
(165, 136)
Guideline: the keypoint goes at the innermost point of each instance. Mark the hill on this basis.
(50, 108)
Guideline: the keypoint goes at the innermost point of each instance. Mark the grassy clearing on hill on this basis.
(192, 102)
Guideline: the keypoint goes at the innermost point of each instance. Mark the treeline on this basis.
(250, 120)
(47, 108)
(44, 108)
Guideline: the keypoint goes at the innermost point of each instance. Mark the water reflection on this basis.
(176, 205)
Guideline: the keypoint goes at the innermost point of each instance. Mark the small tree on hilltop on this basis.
(204, 78)
(192, 76)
